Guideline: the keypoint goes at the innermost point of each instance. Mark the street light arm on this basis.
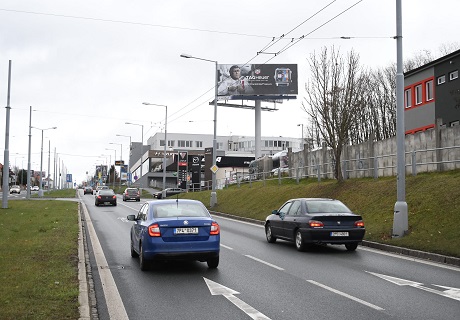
(188, 56)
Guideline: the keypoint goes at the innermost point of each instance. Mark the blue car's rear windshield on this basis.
(179, 210)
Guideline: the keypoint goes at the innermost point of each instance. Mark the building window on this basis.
(429, 90)
(418, 94)
(441, 79)
(181, 143)
(220, 146)
(407, 98)
(453, 75)
(199, 144)
(171, 143)
(189, 144)
(454, 123)
(162, 143)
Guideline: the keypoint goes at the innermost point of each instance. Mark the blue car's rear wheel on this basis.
(213, 262)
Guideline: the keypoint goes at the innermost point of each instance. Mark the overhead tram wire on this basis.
(292, 43)
(133, 23)
(283, 36)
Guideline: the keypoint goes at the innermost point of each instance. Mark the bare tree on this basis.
(334, 99)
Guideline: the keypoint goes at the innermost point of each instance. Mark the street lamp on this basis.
(142, 149)
(166, 142)
(40, 190)
(113, 181)
(302, 143)
(129, 157)
(213, 201)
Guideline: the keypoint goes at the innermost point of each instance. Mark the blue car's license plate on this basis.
(186, 231)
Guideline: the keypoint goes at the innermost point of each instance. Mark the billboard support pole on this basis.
(257, 134)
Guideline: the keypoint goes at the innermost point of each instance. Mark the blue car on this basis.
(178, 229)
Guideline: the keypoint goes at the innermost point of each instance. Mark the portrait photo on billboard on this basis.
(253, 79)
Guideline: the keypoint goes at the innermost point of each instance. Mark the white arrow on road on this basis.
(452, 293)
(218, 289)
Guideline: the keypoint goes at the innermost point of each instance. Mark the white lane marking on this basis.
(373, 306)
(115, 305)
(240, 221)
(264, 262)
(226, 247)
(408, 258)
(451, 292)
(218, 289)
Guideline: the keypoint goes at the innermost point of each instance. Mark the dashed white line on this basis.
(264, 262)
(373, 306)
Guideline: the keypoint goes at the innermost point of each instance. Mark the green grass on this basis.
(39, 256)
(432, 200)
(61, 193)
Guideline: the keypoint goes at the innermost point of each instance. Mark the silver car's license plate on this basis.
(186, 231)
(339, 234)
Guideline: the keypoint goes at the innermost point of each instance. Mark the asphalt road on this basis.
(259, 280)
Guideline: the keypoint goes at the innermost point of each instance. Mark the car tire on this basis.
(269, 234)
(133, 252)
(299, 243)
(213, 262)
(115, 204)
(96, 204)
(142, 262)
(351, 246)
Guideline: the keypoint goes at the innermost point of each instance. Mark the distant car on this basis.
(174, 230)
(35, 188)
(169, 192)
(105, 197)
(101, 188)
(131, 194)
(15, 189)
(88, 190)
(308, 221)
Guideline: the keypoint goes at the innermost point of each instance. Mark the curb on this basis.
(87, 296)
(375, 245)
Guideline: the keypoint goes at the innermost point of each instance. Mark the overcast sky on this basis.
(86, 66)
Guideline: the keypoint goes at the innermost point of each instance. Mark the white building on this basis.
(195, 144)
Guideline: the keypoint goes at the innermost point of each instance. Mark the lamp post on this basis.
(142, 150)
(40, 188)
(113, 181)
(401, 219)
(166, 142)
(129, 157)
(213, 201)
(302, 143)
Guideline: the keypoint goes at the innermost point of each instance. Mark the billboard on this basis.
(254, 79)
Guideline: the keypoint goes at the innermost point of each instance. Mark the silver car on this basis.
(15, 189)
